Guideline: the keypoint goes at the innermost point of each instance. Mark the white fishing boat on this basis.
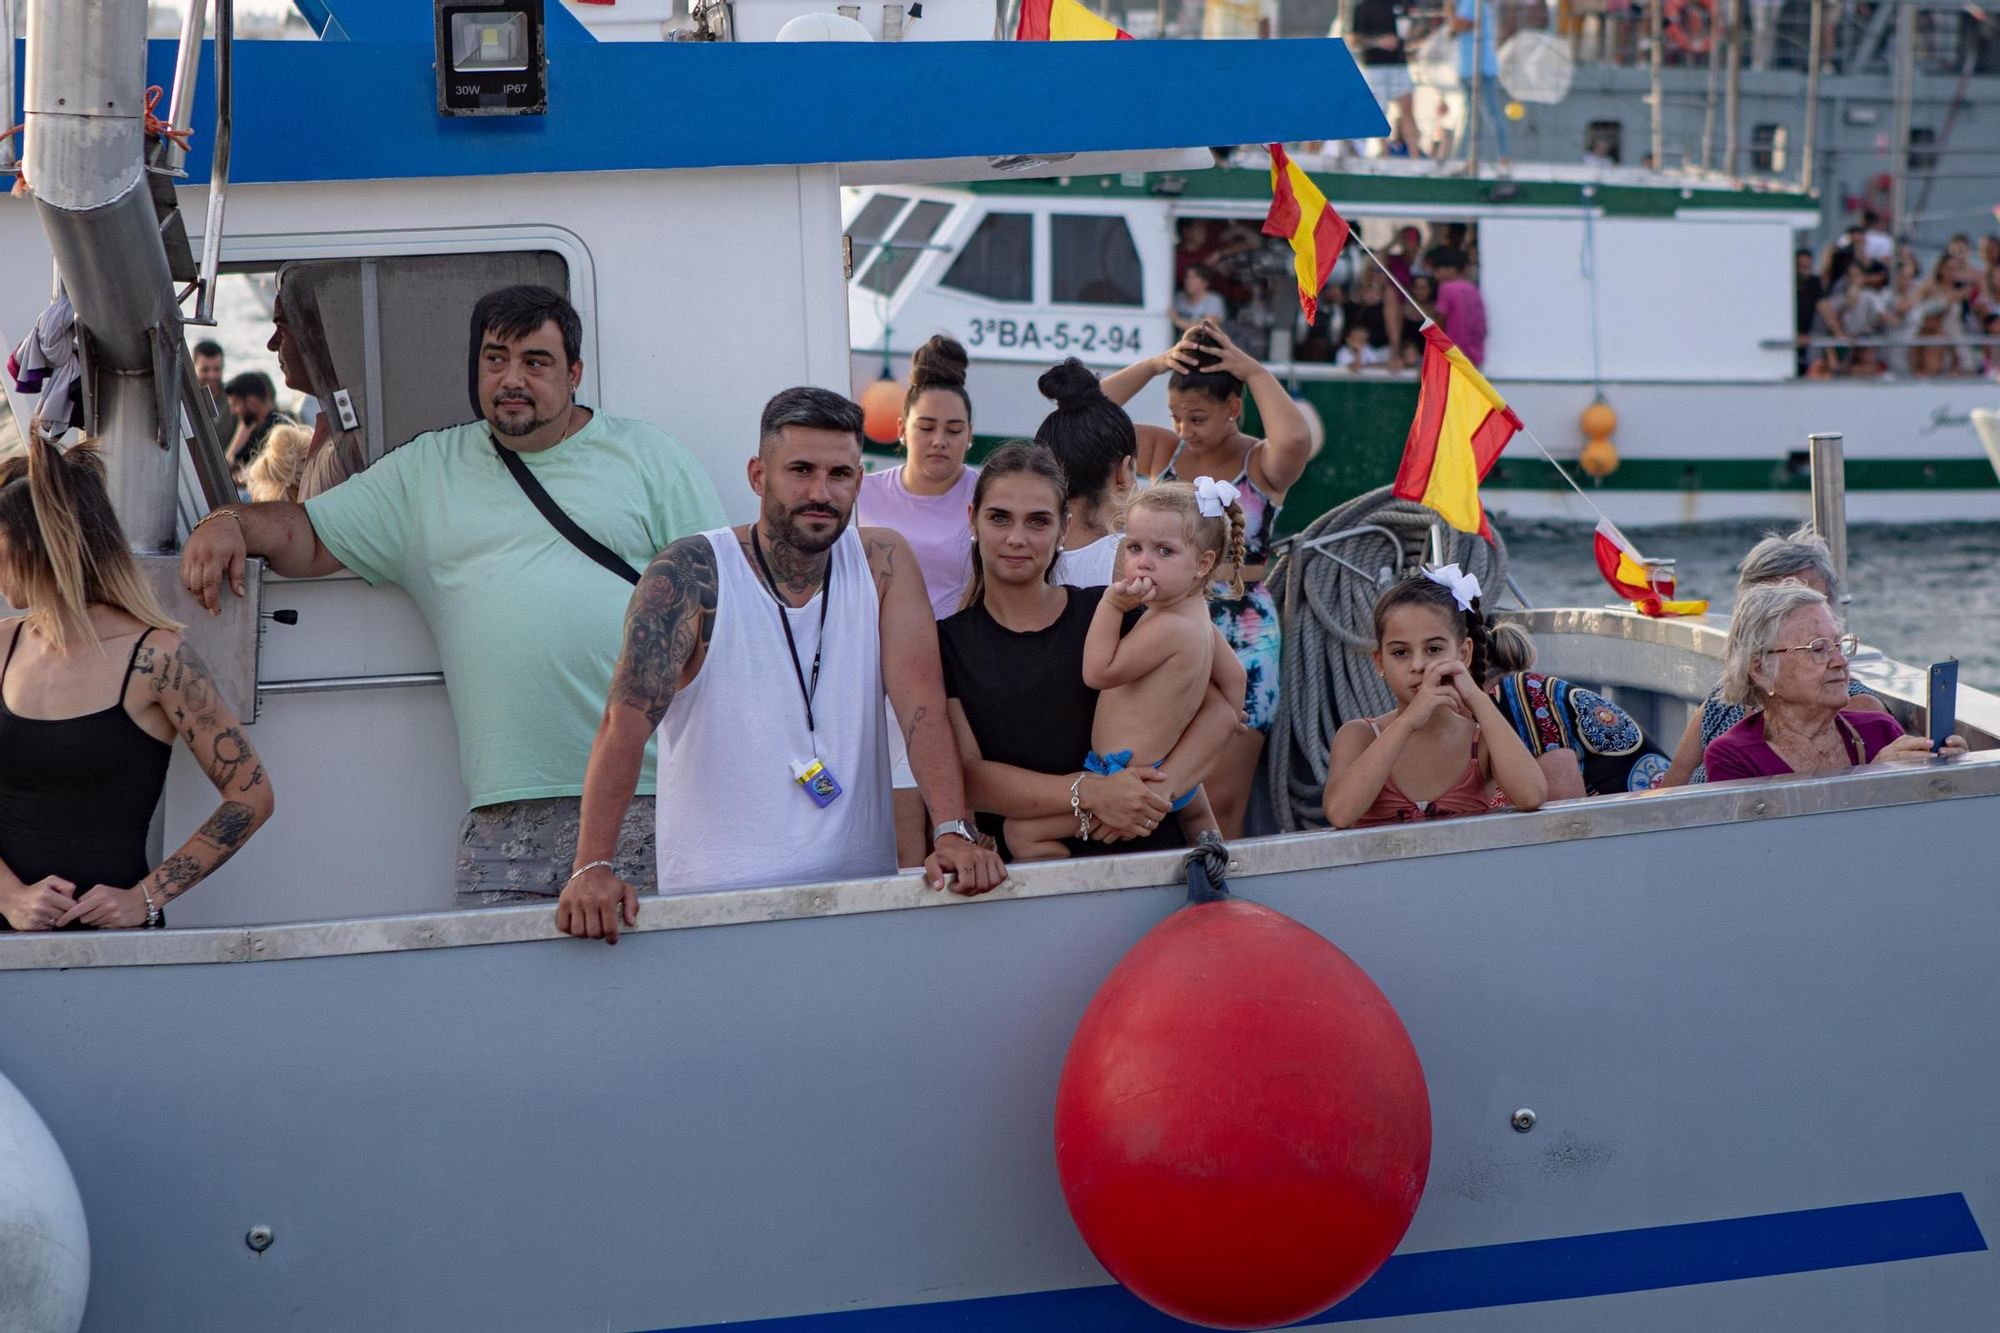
(1710, 1056)
(1667, 297)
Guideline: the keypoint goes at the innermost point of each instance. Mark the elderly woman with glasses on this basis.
(1787, 661)
(1803, 556)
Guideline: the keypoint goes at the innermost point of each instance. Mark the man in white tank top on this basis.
(761, 654)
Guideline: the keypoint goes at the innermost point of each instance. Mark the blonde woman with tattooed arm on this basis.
(95, 688)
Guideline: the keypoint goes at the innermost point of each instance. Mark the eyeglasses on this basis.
(1821, 649)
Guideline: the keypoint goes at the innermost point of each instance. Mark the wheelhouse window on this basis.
(900, 253)
(872, 224)
(1093, 261)
(998, 260)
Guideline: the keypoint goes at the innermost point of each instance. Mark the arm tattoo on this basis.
(882, 561)
(176, 875)
(916, 720)
(227, 827)
(671, 614)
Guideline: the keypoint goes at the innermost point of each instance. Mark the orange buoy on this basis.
(1600, 456)
(882, 411)
(1242, 1127)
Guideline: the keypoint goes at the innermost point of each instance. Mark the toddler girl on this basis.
(1154, 678)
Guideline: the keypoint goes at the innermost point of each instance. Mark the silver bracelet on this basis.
(152, 908)
(1076, 808)
(592, 866)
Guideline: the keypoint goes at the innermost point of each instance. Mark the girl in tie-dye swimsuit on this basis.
(1210, 376)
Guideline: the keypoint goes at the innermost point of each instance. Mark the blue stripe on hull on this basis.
(1431, 1281)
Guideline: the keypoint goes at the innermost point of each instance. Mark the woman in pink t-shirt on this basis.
(1786, 659)
(929, 500)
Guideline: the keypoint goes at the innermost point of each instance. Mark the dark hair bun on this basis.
(1070, 385)
(940, 361)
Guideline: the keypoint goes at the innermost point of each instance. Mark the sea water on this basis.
(1921, 592)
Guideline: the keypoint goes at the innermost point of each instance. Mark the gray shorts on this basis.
(523, 851)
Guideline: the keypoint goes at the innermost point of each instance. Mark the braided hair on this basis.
(1489, 657)
(1222, 536)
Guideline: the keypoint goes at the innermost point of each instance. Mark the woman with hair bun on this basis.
(95, 686)
(1205, 396)
(928, 499)
(1098, 448)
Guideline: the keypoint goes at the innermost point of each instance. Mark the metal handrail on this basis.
(334, 684)
(218, 176)
(1988, 340)
(7, 121)
(187, 73)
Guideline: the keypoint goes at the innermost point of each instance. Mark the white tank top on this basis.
(730, 815)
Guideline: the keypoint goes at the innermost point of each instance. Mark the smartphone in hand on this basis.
(1942, 713)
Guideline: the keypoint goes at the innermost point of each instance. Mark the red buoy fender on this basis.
(1242, 1126)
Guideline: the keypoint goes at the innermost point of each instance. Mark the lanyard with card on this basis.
(812, 775)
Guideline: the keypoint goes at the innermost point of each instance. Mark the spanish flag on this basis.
(1064, 21)
(1301, 214)
(1648, 585)
(1462, 425)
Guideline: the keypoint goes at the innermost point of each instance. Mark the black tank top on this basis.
(78, 793)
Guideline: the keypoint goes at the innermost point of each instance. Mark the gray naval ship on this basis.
(1716, 1056)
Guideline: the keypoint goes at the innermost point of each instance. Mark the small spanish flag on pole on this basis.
(1064, 21)
(1301, 214)
(1462, 425)
(1647, 583)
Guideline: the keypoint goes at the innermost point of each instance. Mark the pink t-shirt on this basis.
(1741, 751)
(935, 526)
(1462, 311)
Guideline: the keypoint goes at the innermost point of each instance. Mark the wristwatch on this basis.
(958, 826)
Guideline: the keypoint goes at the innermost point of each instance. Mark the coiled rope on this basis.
(1326, 605)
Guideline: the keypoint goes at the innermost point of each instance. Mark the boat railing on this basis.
(1637, 813)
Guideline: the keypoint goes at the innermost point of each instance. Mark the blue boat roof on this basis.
(365, 108)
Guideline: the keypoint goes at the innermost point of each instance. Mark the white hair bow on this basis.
(1213, 497)
(1464, 587)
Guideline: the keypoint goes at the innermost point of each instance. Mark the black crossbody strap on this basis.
(524, 477)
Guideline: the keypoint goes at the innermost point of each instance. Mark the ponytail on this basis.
(52, 498)
(65, 548)
(1513, 648)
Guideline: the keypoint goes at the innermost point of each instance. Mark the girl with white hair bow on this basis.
(1446, 750)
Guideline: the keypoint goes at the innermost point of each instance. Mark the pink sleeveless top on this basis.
(1467, 796)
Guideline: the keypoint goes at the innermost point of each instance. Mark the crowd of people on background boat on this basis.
(1366, 320)
(1894, 313)
(1074, 641)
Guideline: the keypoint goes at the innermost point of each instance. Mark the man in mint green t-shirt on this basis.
(528, 626)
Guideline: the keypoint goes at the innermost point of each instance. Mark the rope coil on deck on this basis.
(1326, 605)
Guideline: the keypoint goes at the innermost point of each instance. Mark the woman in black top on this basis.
(94, 687)
(1013, 677)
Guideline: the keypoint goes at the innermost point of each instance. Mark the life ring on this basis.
(1688, 30)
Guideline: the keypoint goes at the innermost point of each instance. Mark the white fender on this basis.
(44, 1245)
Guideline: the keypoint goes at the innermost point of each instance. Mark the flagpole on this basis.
(1355, 236)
